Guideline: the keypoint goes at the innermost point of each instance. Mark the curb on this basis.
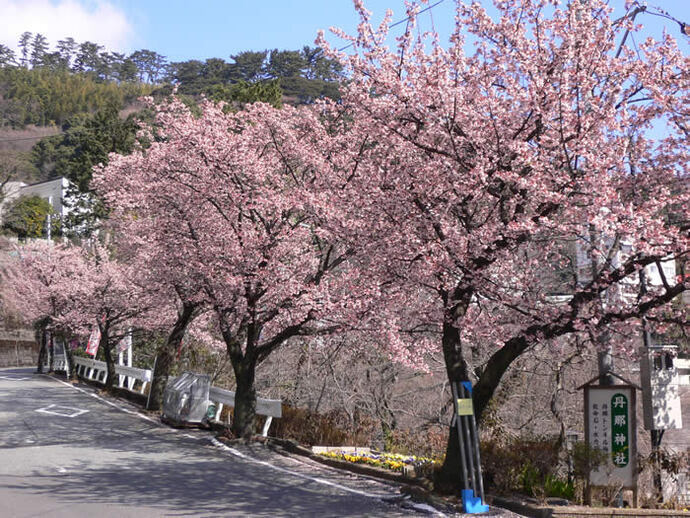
(412, 488)
(360, 469)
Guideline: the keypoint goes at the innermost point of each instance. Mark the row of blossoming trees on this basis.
(419, 212)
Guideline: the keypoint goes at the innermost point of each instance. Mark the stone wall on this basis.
(18, 349)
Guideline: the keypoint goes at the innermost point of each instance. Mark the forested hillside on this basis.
(45, 97)
(47, 88)
(63, 111)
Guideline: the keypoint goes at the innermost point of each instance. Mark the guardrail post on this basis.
(267, 425)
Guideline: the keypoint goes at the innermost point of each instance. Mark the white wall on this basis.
(53, 190)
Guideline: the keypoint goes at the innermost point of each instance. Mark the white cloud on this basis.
(98, 21)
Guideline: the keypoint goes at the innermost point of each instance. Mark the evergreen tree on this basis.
(285, 63)
(86, 142)
(150, 64)
(126, 71)
(52, 61)
(248, 66)
(318, 66)
(88, 57)
(7, 56)
(39, 48)
(67, 49)
(24, 41)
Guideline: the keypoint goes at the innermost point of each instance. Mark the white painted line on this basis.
(62, 411)
(13, 379)
(239, 454)
(123, 409)
(326, 467)
(242, 456)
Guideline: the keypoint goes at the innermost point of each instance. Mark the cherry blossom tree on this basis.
(31, 287)
(175, 301)
(105, 292)
(231, 201)
(74, 288)
(484, 166)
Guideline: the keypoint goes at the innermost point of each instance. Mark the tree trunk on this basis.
(109, 363)
(482, 392)
(43, 347)
(165, 356)
(70, 361)
(51, 352)
(244, 418)
(449, 477)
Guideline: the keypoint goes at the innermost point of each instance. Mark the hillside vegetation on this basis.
(62, 112)
(50, 97)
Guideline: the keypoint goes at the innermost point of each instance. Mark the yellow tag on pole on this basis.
(465, 406)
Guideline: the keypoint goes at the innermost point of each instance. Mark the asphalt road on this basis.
(67, 452)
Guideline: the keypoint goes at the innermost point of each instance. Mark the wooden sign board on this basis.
(610, 426)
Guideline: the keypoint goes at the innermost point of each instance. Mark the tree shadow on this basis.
(108, 457)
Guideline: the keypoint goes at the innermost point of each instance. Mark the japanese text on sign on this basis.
(620, 447)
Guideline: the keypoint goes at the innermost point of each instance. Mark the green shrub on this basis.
(334, 428)
(557, 487)
(519, 464)
(27, 216)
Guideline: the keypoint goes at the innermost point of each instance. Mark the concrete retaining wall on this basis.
(17, 353)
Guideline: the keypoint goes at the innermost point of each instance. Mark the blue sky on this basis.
(182, 29)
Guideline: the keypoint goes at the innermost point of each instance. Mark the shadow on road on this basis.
(115, 458)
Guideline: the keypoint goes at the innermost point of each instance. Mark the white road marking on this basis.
(13, 379)
(239, 454)
(62, 411)
(123, 409)
(247, 458)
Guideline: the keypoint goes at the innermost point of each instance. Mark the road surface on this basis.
(67, 452)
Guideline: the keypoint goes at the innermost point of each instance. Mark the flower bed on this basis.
(391, 461)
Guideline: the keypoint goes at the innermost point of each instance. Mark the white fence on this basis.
(269, 408)
(128, 377)
(59, 363)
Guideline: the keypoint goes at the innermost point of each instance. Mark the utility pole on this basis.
(655, 435)
(604, 356)
(49, 219)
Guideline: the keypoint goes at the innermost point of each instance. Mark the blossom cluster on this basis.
(392, 461)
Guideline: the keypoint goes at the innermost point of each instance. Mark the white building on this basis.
(55, 191)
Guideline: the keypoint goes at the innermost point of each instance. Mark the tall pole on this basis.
(655, 435)
(604, 355)
(49, 219)
(463, 461)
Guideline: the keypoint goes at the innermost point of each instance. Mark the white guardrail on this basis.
(269, 408)
(128, 377)
(95, 370)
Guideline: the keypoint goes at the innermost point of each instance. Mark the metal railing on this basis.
(128, 377)
(95, 370)
(268, 408)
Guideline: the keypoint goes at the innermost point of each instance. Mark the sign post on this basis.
(472, 483)
(610, 426)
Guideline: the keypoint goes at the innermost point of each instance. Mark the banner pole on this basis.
(456, 417)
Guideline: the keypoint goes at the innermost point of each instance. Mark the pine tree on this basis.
(39, 49)
(24, 41)
(67, 49)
